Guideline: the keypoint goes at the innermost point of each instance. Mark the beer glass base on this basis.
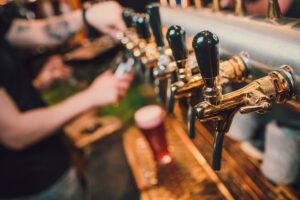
(166, 159)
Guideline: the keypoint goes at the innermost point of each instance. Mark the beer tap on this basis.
(176, 37)
(240, 7)
(142, 28)
(277, 87)
(164, 73)
(198, 4)
(164, 2)
(185, 3)
(172, 3)
(274, 12)
(234, 70)
(127, 15)
(129, 39)
(145, 48)
(216, 7)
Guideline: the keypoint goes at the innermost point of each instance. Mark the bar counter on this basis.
(190, 175)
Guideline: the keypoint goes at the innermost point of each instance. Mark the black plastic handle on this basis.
(206, 47)
(142, 26)
(177, 42)
(127, 15)
(155, 23)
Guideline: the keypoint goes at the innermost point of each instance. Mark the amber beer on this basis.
(150, 120)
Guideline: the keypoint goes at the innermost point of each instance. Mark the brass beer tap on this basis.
(240, 7)
(198, 4)
(185, 3)
(143, 32)
(176, 37)
(216, 7)
(145, 49)
(235, 70)
(190, 82)
(277, 87)
(274, 11)
(164, 2)
(129, 39)
(164, 73)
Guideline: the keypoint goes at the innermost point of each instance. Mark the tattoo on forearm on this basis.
(59, 30)
(22, 27)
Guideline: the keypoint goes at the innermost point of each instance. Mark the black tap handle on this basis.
(206, 49)
(142, 26)
(127, 15)
(177, 42)
(155, 23)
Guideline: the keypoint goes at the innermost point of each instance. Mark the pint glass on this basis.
(150, 120)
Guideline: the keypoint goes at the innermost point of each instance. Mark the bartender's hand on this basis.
(53, 69)
(108, 88)
(106, 17)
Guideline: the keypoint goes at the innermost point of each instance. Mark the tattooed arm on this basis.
(106, 17)
(46, 32)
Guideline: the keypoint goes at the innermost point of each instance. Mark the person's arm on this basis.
(53, 69)
(19, 130)
(105, 17)
(45, 32)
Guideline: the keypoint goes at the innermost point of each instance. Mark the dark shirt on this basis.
(29, 171)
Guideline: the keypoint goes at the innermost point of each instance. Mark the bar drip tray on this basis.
(89, 128)
(184, 178)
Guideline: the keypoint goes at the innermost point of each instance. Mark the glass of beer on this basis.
(150, 120)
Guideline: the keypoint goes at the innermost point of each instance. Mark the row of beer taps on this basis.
(199, 81)
(274, 11)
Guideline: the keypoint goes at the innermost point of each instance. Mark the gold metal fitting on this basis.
(274, 11)
(234, 70)
(240, 7)
(216, 5)
(164, 2)
(185, 3)
(199, 4)
(129, 38)
(257, 96)
(153, 57)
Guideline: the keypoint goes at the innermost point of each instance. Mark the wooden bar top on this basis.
(190, 175)
(184, 178)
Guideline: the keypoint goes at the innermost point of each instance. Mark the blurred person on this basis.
(289, 8)
(52, 70)
(34, 161)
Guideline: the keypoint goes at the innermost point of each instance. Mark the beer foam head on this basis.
(149, 117)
